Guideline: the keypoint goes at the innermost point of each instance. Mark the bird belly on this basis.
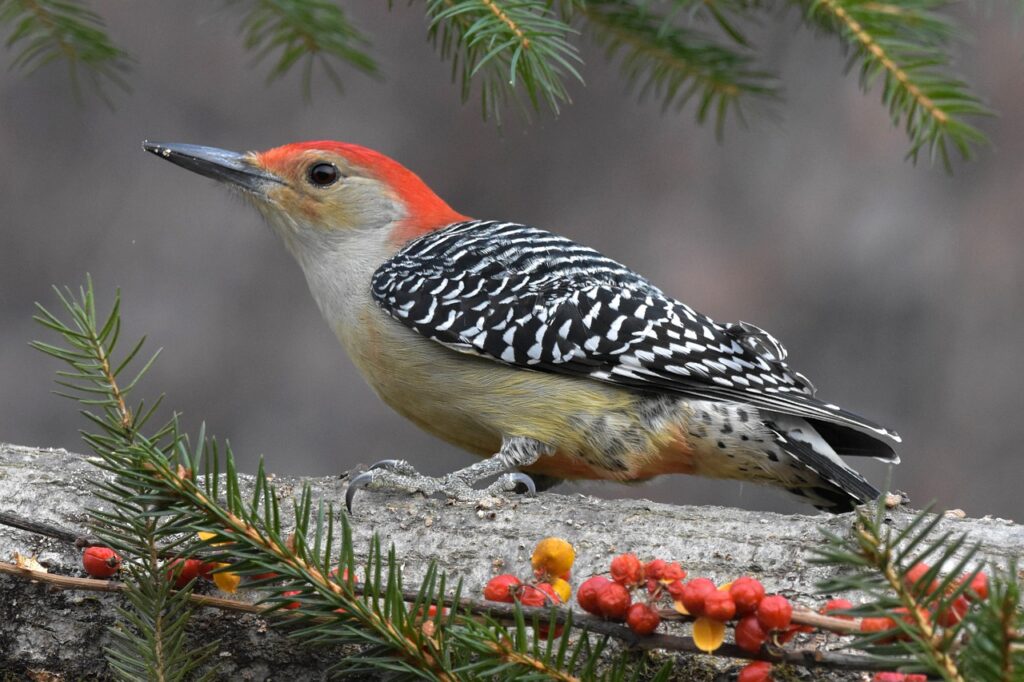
(597, 431)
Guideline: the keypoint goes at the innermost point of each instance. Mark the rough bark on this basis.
(64, 632)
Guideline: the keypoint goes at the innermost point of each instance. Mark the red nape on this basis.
(427, 211)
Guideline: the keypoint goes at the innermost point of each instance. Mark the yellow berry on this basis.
(554, 556)
(562, 588)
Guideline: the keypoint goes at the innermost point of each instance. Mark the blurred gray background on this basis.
(897, 289)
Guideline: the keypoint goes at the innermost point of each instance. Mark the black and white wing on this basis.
(527, 297)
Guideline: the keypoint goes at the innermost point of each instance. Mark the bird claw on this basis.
(400, 475)
(515, 482)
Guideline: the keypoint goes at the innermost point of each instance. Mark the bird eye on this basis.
(323, 174)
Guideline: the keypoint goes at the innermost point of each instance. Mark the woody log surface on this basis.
(63, 632)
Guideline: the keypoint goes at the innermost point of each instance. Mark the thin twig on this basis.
(809, 658)
(8, 518)
(93, 585)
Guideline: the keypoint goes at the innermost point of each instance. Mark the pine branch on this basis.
(139, 524)
(905, 43)
(677, 63)
(158, 506)
(43, 31)
(927, 612)
(511, 48)
(308, 31)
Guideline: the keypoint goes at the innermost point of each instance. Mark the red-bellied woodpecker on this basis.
(524, 346)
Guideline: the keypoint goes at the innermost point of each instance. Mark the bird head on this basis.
(322, 191)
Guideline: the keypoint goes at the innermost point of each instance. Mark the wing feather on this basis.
(526, 297)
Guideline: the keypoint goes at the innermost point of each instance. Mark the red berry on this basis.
(182, 572)
(888, 677)
(293, 604)
(673, 571)
(749, 634)
(774, 612)
(747, 593)
(676, 588)
(954, 613)
(613, 601)
(978, 588)
(642, 619)
(501, 588)
(878, 625)
(101, 562)
(915, 677)
(627, 570)
(588, 592)
(549, 590)
(206, 569)
(531, 596)
(758, 671)
(718, 605)
(916, 573)
(344, 575)
(655, 569)
(693, 595)
(837, 605)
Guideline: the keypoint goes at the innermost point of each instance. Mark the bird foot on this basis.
(399, 475)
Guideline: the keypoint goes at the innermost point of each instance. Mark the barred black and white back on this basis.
(529, 298)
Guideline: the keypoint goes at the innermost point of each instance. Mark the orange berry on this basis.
(101, 562)
(642, 619)
(553, 556)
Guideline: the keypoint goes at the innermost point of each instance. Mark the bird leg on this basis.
(398, 474)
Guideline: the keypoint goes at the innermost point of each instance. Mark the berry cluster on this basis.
(633, 592)
(922, 580)
(552, 561)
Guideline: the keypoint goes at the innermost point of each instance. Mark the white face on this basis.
(323, 200)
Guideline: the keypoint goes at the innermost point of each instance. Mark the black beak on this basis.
(219, 164)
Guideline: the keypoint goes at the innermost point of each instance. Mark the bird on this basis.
(543, 356)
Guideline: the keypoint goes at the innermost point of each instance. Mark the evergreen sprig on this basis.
(507, 47)
(141, 522)
(306, 572)
(525, 51)
(878, 556)
(42, 31)
(906, 44)
(675, 63)
(309, 32)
